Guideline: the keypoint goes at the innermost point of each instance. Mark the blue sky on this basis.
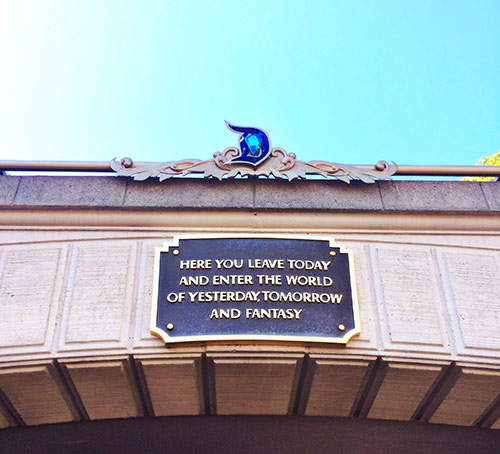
(415, 82)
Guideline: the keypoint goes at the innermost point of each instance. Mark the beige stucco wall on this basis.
(75, 299)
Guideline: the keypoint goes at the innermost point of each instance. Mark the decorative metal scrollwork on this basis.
(254, 158)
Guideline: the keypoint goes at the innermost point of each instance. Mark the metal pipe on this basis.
(449, 171)
(103, 166)
(56, 166)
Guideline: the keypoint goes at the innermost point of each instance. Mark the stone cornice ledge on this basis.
(110, 193)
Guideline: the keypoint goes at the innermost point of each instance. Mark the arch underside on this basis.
(244, 434)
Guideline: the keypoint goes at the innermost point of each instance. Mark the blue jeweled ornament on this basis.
(255, 145)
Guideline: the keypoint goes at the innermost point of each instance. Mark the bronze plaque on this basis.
(251, 288)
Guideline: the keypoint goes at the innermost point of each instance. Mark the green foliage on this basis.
(491, 160)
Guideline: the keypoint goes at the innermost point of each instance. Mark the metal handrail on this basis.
(104, 167)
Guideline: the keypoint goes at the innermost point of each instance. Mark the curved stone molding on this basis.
(228, 383)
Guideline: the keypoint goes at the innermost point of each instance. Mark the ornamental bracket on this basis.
(253, 158)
